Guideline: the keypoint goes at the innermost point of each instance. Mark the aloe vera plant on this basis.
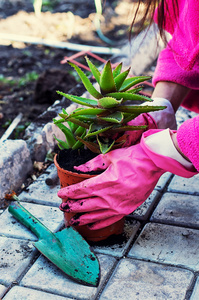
(71, 132)
(103, 120)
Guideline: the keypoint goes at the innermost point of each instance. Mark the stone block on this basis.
(116, 245)
(177, 209)
(41, 193)
(195, 294)
(21, 293)
(15, 256)
(163, 181)
(15, 164)
(44, 276)
(185, 185)
(51, 217)
(139, 280)
(168, 244)
(2, 290)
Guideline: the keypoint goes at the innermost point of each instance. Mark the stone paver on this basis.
(41, 193)
(51, 217)
(157, 257)
(21, 293)
(163, 181)
(2, 290)
(117, 245)
(169, 245)
(139, 280)
(195, 294)
(15, 256)
(178, 209)
(185, 185)
(46, 277)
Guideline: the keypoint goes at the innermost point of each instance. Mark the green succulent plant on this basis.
(72, 132)
(103, 120)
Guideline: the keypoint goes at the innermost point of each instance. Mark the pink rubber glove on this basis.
(129, 178)
(157, 119)
(133, 137)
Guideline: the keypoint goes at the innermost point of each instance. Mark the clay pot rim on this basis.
(70, 172)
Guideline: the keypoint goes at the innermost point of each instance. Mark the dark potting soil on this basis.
(69, 158)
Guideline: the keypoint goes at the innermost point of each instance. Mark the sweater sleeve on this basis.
(184, 27)
(188, 140)
(179, 61)
(167, 69)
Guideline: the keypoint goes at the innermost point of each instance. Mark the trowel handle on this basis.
(27, 219)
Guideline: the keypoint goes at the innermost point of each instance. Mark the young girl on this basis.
(176, 77)
(131, 173)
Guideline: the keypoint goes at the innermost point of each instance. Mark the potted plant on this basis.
(100, 122)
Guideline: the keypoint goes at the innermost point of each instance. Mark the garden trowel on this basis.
(66, 249)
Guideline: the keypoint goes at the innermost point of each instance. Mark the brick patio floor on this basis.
(157, 256)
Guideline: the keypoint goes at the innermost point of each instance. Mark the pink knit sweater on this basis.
(188, 140)
(179, 61)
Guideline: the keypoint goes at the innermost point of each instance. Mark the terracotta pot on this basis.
(67, 178)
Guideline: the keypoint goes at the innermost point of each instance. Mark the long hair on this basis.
(149, 11)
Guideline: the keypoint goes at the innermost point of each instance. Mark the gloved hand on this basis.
(157, 119)
(129, 178)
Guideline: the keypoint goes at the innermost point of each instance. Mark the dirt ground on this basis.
(30, 74)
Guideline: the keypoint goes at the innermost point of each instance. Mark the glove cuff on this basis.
(164, 162)
(164, 118)
(188, 140)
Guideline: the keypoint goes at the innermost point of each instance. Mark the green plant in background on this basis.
(37, 4)
(7, 80)
(28, 77)
(105, 118)
(18, 130)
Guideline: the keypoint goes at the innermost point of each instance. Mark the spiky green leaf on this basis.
(90, 145)
(87, 118)
(79, 100)
(79, 144)
(135, 90)
(138, 109)
(94, 70)
(87, 111)
(107, 83)
(108, 102)
(127, 128)
(57, 121)
(86, 82)
(129, 82)
(119, 79)
(105, 145)
(64, 111)
(116, 117)
(128, 117)
(117, 70)
(62, 145)
(78, 122)
(95, 129)
(79, 131)
(73, 127)
(127, 96)
(70, 139)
